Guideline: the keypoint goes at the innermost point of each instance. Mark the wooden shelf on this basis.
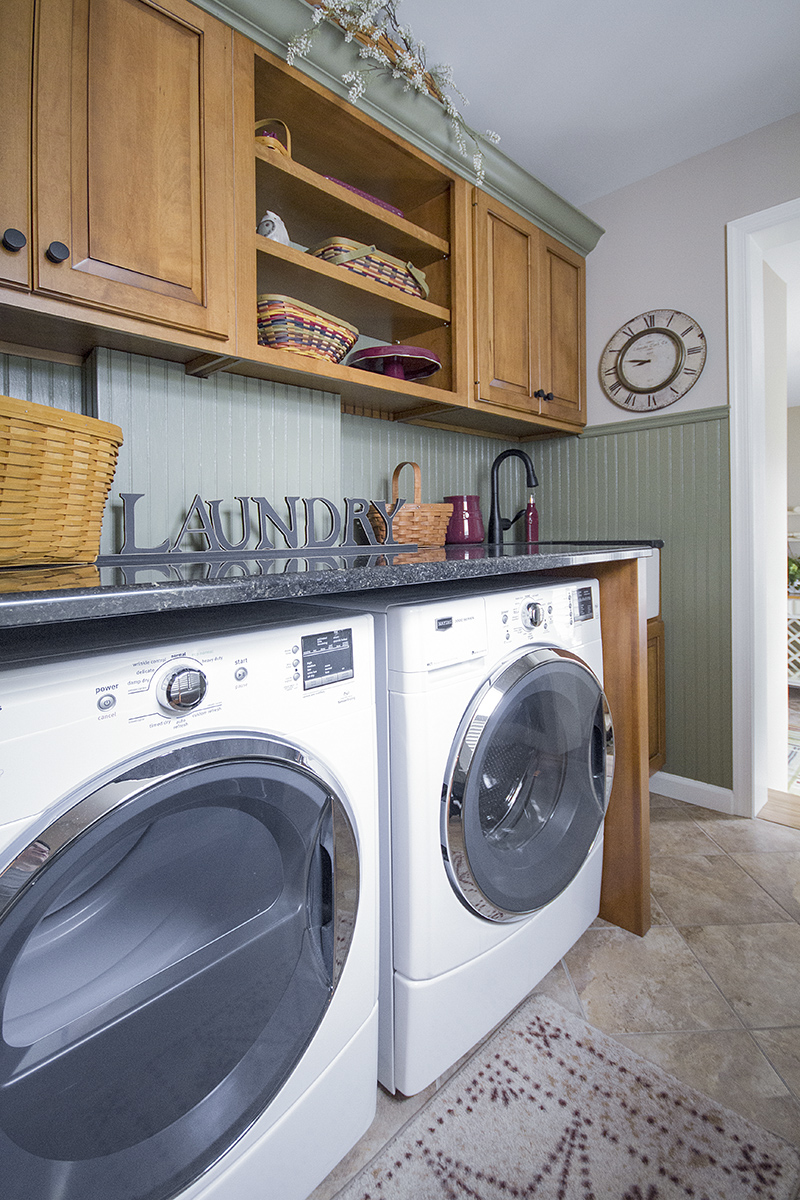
(314, 209)
(376, 310)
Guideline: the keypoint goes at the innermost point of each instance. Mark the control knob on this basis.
(533, 614)
(181, 688)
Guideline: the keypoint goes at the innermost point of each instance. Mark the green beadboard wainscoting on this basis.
(656, 477)
(663, 477)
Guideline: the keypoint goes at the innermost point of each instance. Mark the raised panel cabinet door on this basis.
(133, 170)
(562, 277)
(506, 308)
(16, 58)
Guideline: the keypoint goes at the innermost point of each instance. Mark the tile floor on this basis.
(711, 993)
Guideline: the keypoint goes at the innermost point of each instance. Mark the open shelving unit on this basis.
(332, 141)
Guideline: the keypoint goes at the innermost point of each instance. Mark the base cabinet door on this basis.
(657, 725)
(133, 198)
(15, 142)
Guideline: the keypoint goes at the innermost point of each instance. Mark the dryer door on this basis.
(168, 948)
(527, 784)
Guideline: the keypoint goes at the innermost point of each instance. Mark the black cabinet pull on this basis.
(57, 252)
(540, 394)
(14, 240)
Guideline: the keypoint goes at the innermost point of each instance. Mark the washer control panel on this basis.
(563, 613)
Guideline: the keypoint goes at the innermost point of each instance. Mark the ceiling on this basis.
(589, 96)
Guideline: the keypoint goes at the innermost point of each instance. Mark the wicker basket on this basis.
(56, 470)
(271, 141)
(423, 524)
(373, 264)
(286, 324)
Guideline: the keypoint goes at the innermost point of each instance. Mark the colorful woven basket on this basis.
(373, 264)
(56, 470)
(423, 524)
(286, 324)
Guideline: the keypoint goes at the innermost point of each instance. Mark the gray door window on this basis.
(527, 784)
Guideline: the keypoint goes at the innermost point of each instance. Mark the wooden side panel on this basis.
(563, 331)
(625, 896)
(506, 249)
(16, 57)
(133, 158)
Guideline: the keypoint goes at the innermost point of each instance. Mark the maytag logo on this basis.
(444, 622)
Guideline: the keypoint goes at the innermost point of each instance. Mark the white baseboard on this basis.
(692, 791)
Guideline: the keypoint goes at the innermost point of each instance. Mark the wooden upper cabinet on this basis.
(133, 160)
(562, 330)
(506, 305)
(529, 317)
(15, 89)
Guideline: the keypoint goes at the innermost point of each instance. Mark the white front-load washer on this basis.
(497, 768)
(188, 912)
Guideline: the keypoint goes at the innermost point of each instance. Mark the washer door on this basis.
(527, 784)
(167, 950)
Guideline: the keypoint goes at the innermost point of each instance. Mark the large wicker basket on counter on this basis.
(423, 524)
(56, 470)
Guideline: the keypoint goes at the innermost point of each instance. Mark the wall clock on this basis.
(653, 360)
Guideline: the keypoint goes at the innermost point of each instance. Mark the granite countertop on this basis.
(120, 586)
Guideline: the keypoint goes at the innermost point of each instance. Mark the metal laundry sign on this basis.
(262, 525)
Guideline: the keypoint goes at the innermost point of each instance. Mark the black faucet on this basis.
(498, 524)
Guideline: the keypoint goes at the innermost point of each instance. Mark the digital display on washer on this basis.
(583, 609)
(327, 657)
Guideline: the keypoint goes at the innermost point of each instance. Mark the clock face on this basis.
(653, 360)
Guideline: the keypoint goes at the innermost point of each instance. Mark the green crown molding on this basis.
(720, 413)
(414, 116)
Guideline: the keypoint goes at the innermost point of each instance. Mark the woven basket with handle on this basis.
(271, 139)
(56, 470)
(423, 524)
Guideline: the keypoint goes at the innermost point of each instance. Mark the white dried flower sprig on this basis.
(390, 47)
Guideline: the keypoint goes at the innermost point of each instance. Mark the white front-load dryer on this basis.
(188, 914)
(497, 766)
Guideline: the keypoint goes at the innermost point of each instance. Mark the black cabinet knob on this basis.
(57, 252)
(14, 240)
(549, 396)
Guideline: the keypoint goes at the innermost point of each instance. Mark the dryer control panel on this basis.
(567, 614)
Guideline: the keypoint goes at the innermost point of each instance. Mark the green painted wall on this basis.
(663, 477)
(656, 477)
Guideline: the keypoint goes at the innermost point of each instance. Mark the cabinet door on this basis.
(562, 276)
(16, 46)
(507, 304)
(133, 159)
(657, 732)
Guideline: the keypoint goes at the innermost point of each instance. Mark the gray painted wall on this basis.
(663, 477)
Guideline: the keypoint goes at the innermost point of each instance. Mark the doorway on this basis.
(758, 518)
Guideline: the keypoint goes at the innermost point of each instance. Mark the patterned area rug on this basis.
(551, 1109)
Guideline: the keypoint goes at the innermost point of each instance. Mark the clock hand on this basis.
(639, 362)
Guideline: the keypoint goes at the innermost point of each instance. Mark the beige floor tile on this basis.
(738, 835)
(756, 967)
(393, 1112)
(629, 984)
(672, 831)
(779, 874)
(696, 889)
(730, 1068)
(657, 914)
(782, 1048)
(658, 801)
(559, 987)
